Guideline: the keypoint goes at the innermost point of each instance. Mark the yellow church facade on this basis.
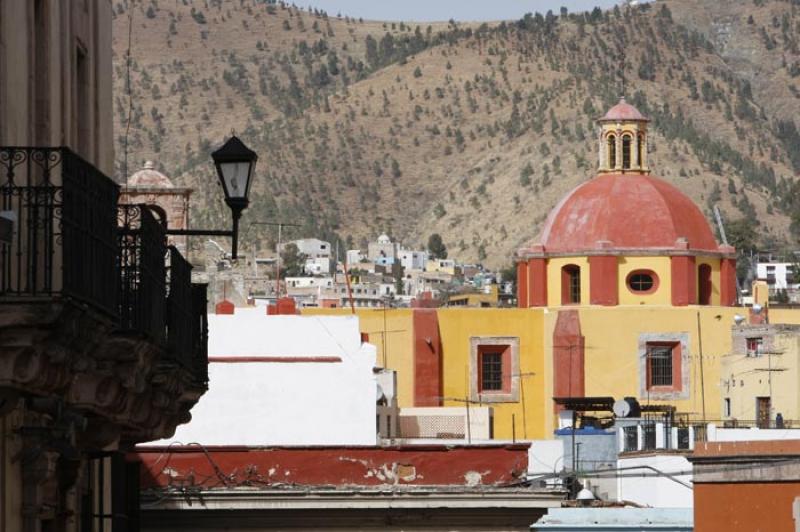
(626, 293)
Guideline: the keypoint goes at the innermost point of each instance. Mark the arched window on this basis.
(570, 285)
(626, 152)
(639, 148)
(612, 151)
(704, 284)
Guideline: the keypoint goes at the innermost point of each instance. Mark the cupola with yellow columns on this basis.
(625, 237)
(623, 140)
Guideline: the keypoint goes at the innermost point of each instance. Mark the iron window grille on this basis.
(631, 439)
(491, 371)
(659, 359)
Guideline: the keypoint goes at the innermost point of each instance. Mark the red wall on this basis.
(427, 358)
(603, 283)
(745, 506)
(522, 284)
(537, 282)
(331, 466)
(684, 281)
(568, 355)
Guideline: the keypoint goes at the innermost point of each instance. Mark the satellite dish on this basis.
(622, 408)
(738, 319)
(757, 308)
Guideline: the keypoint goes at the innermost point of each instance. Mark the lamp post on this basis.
(235, 164)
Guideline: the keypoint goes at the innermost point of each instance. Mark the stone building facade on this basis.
(95, 356)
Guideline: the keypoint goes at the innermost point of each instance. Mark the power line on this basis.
(128, 90)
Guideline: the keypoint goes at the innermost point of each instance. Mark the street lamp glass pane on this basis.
(235, 175)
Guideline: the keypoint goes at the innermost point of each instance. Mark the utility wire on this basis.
(128, 91)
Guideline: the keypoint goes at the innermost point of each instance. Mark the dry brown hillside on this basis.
(470, 131)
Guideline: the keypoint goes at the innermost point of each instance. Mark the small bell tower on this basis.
(623, 136)
(623, 141)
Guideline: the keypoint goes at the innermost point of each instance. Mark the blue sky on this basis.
(464, 10)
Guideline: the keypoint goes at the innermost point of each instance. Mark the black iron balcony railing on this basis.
(72, 239)
(142, 273)
(200, 333)
(64, 239)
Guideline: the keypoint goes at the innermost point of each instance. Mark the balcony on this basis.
(96, 311)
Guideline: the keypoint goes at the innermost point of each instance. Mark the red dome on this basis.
(623, 111)
(627, 211)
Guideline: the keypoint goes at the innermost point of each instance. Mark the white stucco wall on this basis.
(652, 489)
(715, 433)
(276, 402)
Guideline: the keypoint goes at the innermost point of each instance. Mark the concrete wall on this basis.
(615, 519)
(774, 373)
(652, 489)
(285, 380)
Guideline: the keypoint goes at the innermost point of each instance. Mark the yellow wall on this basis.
(613, 360)
(752, 379)
(554, 266)
(662, 268)
(396, 352)
(458, 325)
(433, 266)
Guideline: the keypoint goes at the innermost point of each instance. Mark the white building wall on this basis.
(274, 380)
(649, 488)
(413, 260)
(779, 269)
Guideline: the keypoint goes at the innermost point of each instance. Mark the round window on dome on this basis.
(642, 282)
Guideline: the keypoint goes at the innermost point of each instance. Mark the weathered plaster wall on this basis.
(458, 326)
(285, 380)
(652, 489)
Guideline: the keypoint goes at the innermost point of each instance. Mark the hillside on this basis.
(470, 131)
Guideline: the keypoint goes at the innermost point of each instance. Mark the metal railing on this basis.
(142, 272)
(180, 322)
(64, 212)
(200, 333)
(72, 238)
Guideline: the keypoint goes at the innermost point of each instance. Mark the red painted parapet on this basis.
(684, 280)
(284, 306)
(224, 307)
(727, 289)
(522, 284)
(229, 467)
(568, 356)
(603, 283)
(427, 358)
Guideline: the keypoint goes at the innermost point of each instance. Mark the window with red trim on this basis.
(642, 281)
(664, 366)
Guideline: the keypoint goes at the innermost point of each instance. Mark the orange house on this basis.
(747, 486)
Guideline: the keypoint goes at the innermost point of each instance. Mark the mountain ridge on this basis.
(473, 131)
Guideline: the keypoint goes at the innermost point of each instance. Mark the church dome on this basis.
(626, 211)
(624, 111)
(149, 177)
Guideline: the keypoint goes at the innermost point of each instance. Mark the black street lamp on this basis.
(235, 165)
